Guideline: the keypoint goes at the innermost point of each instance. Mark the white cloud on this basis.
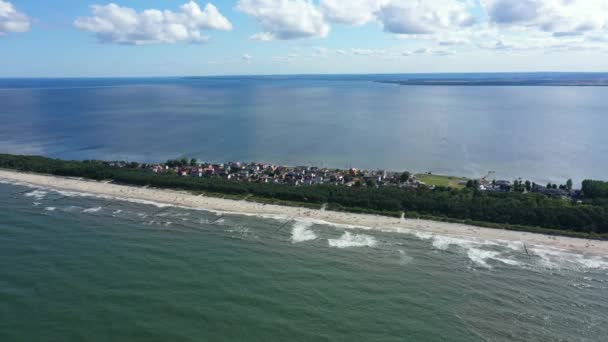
(286, 19)
(368, 52)
(559, 17)
(114, 24)
(351, 12)
(262, 37)
(12, 20)
(247, 57)
(424, 17)
(286, 59)
(428, 52)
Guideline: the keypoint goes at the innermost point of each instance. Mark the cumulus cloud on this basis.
(286, 19)
(247, 57)
(351, 12)
(424, 17)
(559, 17)
(115, 24)
(12, 20)
(400, 16)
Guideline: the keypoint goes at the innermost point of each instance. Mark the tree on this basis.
(193, 162)
(569, 184)
(528, 186)
(405, 177)
(472, 184)
(184, 162)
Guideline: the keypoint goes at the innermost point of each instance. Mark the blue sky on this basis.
(182, 37)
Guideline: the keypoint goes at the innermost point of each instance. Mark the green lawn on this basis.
(438, 180)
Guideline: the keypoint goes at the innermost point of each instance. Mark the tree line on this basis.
(510, 208)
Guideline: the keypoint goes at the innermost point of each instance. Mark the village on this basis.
(310, 175)
(288, 175)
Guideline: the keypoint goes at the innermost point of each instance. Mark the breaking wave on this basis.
(352, 240)
(92, 210)
(301, 232)
(553, 258)
(37, 194)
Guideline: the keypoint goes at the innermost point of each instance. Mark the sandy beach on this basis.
(362, 221)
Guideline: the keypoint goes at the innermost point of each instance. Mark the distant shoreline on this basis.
(347, 220)
(497, 83)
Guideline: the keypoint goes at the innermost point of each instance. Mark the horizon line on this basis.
(311, 74)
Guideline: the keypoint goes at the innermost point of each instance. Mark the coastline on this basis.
(348, 220)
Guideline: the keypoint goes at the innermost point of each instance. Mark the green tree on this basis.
(405, 177)
(569, 184)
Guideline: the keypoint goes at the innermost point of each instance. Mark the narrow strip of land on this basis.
(363, 221)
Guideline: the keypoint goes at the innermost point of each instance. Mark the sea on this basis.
(75, 267)
(78, 267)
(541, 133)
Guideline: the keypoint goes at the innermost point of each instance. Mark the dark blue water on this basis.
(539, 133)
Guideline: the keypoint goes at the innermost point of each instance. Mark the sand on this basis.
(362, 221)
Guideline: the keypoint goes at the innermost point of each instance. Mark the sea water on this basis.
(75, 267)
(545, 134)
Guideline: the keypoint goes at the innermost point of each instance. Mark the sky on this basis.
(124, 38)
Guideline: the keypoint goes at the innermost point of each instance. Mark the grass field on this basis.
(439, 180)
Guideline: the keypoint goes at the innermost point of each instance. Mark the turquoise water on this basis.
(77, 268)
(545, 134)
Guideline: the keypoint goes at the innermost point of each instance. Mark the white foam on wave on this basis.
(280, 217)
(554, 258)
(301, 232)
(439, 242)
(352, 240)
(475, 249)
(444, 242)
(480, 256)
(92, 210)
(37, 194)
(116, 212)
(118, 198)
(404, 258)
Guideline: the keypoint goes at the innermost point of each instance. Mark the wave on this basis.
(348, 240)
(37, 194)
(280, 217)
(301, 232)
(404, 258)
(475, 249)
(50, 208)
(92, 210)
(554, 258)
(545, 259)
(503, 251)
